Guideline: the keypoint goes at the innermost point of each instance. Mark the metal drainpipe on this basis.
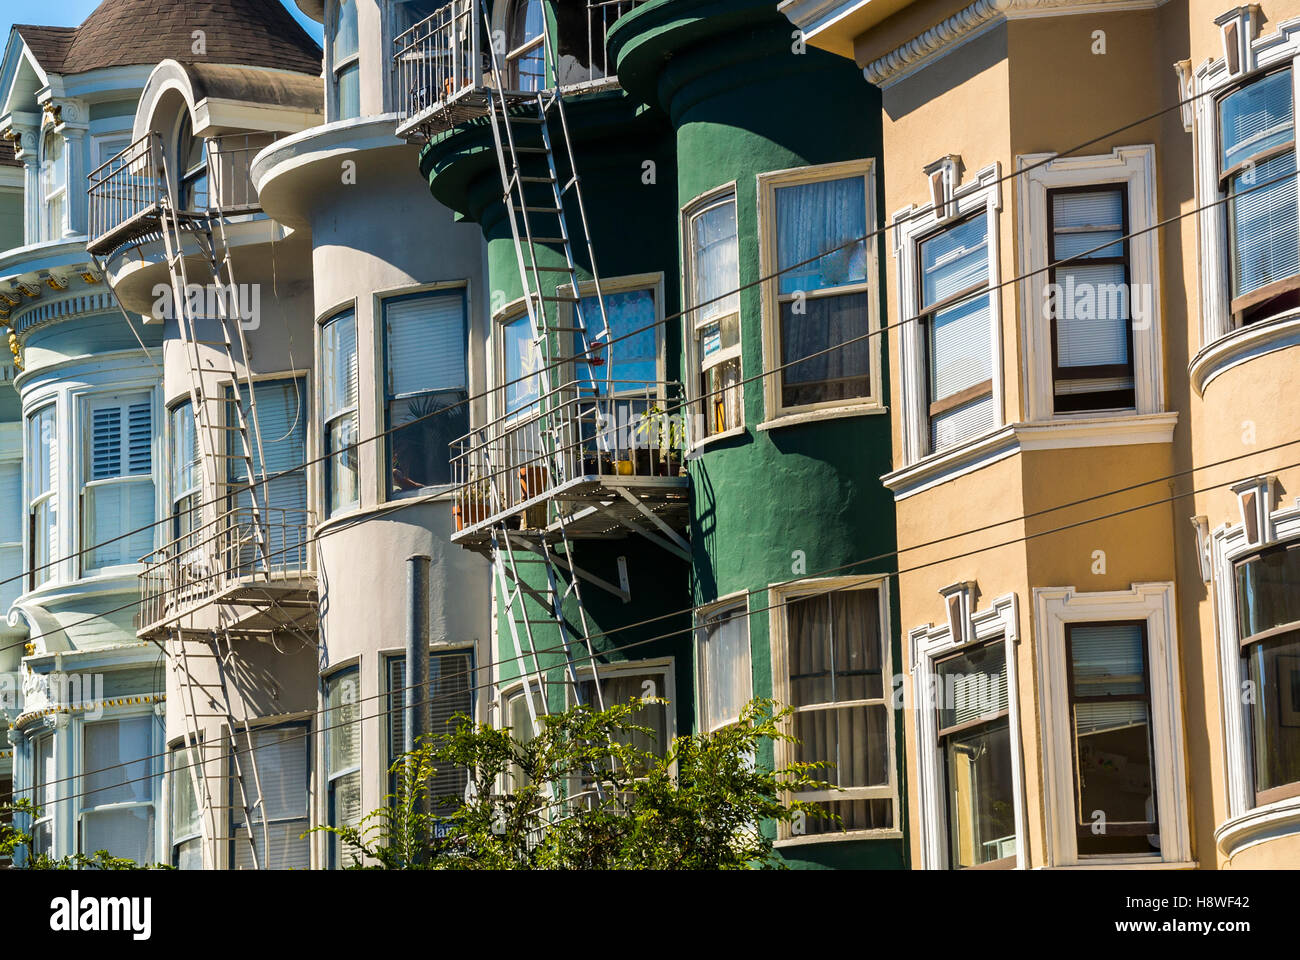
(418, 709)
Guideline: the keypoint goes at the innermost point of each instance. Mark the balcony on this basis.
(127, 193)
(613, 466)
(220, 563)
(443, 71)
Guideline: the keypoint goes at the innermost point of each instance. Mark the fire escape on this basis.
(234, 567)
(577, 455)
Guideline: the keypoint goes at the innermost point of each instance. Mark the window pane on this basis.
(1113, 744)
(349, 92)
(853, 740)
(425, 344)
(450, 692)
(1083, 221)
(281, 757)
(1268, 591)
(289, 849)
(420, 452)
(345, 29)
(123, 833)
(184, 803)
(521, 359)
(716, 271)
(960, 354)
(635, 359)
(812, 217)
(972, 684)
(47, 787)
(724, 659)
(1092, 314)
(954, 260)
(111, 511)
(1274, 672)
(338, 365)
(341, 467)
(1108, 660)
(720, 388)
(834, 647)
(188, 855)
(342, 731)
(117, 768)
(827, 324)
(1255, 118)
(1263, 224)
(344, 810)
(981, 804)
(955, 425)
(282, 419)
(854, 815)
(623, 687)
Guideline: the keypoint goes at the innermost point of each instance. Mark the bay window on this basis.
(11, 532)
(1257, 174)
(186, 826)
(955, 314)
(1267, 587)
(450, 692)
(282, 422)
(974, 736)
(816, 303)
(341, 720)
(117, 812)
(426, 386)
(714, 317)
(831, 664)
(1092, 335)
(117, 487)
(722, 664)
(281, 757)
(344, 59)
(341, 427)
(1110, 711)
(43, 495)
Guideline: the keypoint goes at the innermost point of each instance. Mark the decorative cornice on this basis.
(966, 23)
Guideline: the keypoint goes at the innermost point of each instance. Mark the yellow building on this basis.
(1094, 290)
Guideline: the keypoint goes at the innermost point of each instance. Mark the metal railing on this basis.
(201, 565)
(438, 58)
(230, 185)
(601, 15)
(126, 188)
(573, 432)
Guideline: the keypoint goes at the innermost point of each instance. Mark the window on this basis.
(831, 665)
(281, 757)
(722, 659)
(192, 152)
(106, 148)
(516, 716)
(426, 383)
(450, 691)
(186, 478)
(1267, 589)
(1257, 173)
(632, 364)
(186, 829)
(342, 757)
(813, 307)
(715, 315)
(117, 811)
(43, 493)
(46, 779)
(345, 61)
(11, 532)
(117, 487)
(281, 419)
(955, 308)
(1110, 707)
(54, 186)
(1092, 335)
(526, 50)
(519, 358)
(620, 684)
(339, 410)
(975, 743)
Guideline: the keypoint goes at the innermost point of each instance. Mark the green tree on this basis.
(582, 795)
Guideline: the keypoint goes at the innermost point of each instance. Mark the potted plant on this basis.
(473, 504)
(671, 434)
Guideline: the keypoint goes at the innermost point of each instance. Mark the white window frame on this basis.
(48, 816)
(1134, 168)
(779, 595)
(1245, 824)
(911, 227)
(353, 411)
(1054, 607)
(733, 601)
(86, 407)
(777, 413)
(151, 759)
(54, 231)
(189, 755)
(692, 322)
(1210, 79)
(928, 645)
(54, 566)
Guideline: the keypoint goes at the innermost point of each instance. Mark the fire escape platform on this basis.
(250, 605)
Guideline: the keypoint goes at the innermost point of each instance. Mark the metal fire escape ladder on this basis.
(533, 110)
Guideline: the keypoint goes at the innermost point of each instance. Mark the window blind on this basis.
(125, 833)
(1108, 659)
(1266, 238)
(342, 731)
(426, 342)
(1255, 118)
(972, 685)
(954, 260)
(184, 803)
(281, 757)
(116, 765)
(959, 348)
(339, 365)
(450, 692)
(184, 450)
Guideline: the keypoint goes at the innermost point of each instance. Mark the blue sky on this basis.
(69, 13)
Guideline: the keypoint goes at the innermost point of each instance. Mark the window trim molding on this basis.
(779, 595)
(927, 645)
(911, 226)
(1153, 603)
(1133, 167)
(774, 411)
(1212, 78)
(1246, 823)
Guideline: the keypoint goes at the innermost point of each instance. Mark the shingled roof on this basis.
(252, 33)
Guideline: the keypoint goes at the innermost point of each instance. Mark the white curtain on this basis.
(813, 217)
(725, 655)
(716, 269)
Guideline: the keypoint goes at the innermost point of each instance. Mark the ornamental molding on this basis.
(969, 22)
